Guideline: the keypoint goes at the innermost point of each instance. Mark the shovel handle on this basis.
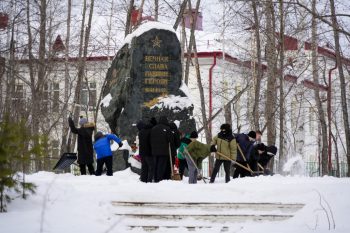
(240, 165)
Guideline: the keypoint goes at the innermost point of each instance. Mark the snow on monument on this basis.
(144, 81)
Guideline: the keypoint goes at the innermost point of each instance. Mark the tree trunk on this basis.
(183, 42)
(191, 42)
(156, 8)
(336, 156)
(139, 16)
(257, 86)
(37, 83)
(64, 145)
(84, 43)
(282, 156)
(271, 76)
(108, 57)
(342, 82)
(180, 15)
(320, 111)
(128, 18)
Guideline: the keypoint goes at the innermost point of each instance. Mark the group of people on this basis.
(162, 145)
(163, 149)
(104, 156)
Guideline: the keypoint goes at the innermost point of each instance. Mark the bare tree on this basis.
(64, 144)
(271, 59)
(83, 49)
(128, 18)
(324, 152)
(282, 156)
(259, 74)
(336, 28)
(156, 9)
(180, 15)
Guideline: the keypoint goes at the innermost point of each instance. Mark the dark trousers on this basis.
(167, 174)
(147, 169)
(90, 168)
(161, 164)
(241, 171)
(182, 166)
(108, 161)
(217, 165)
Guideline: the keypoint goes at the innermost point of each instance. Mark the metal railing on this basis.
(311, 169)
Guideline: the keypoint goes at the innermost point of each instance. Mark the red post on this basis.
(329, 111)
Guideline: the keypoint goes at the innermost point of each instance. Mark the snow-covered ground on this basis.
(68, 203)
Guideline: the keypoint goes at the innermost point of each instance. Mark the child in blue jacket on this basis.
(104, 152)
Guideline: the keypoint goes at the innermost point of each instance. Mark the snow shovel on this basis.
(67, 158)
(240, 150)
(238, 164)
(174, 176)
(65, 161)
(245, 160)
(195, 165)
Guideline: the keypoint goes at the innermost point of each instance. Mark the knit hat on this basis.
(225, 127)
(98, 135)
(140, 125)
(163, 120)
(153, 121)
(82, 121)
(261, 146)
(272, 150)
(173, 126)
(194, 134)
(252, 134)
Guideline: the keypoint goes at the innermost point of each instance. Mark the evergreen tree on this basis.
(16, 150)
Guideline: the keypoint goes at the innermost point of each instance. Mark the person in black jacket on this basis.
(85, 150)
(147, 162)
(255, 154)
(161, 141)
(246, 142)
(265, 157)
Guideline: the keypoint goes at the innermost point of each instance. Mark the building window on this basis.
(18, 99)
(88, 96)
(55, 98)
(46, 97)
(311, 120)
(92, 95)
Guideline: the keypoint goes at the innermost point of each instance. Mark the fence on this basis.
(311, 169)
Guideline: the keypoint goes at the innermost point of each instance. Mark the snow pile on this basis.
(125, 146)
(145, 28)
(68, 203)
(134, 163)
(177, 123)
(184, 89)
(294, 166)
(106, 100)
(172, 102)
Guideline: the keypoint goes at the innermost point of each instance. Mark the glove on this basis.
(120, 144)
(213, 149)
